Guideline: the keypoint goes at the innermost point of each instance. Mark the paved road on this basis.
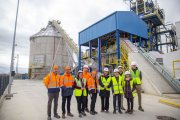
(30, 101)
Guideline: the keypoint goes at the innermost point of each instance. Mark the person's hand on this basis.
(82, 88)
(105, 87)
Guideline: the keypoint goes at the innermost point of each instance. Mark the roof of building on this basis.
(124, 21)
(49, 31)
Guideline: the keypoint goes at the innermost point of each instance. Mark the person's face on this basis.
(68, 71)
(94, 75)
(85, 69)
(80, 75)
(106, 72)
(133, 66)
(127, 77)
(55, 71)
(116, 74)
(120, 70)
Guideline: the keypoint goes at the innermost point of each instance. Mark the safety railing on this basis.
(4, 80)
(162, 70)
(175, 68)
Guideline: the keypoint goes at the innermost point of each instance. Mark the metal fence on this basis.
(4, 80)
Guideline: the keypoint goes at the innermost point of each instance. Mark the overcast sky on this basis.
(74, 15)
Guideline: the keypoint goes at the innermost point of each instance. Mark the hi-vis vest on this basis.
(136, 76)
(117, 86)
(131, 85)
(79, 92)
(105, 82)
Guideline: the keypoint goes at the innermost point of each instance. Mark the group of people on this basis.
(121, 83)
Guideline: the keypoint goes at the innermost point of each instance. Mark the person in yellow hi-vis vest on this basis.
(80, 92)
(137, 77)
(121, 73)
(104, 82)
(129, 91)
(117, 90)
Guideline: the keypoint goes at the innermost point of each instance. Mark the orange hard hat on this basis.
(67, 68)
(93, 72)
(55, 67)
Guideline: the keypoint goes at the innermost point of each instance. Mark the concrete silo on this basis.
(48, 46)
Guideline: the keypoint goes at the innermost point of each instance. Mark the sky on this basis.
(75, 15)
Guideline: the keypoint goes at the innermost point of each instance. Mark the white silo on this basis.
(45, 46)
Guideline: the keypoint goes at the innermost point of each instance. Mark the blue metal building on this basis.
(114, 25)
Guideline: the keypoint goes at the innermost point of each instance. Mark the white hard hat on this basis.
(116, 70)
(85, 66)
(127, 73)
(106, 70)
(120, 67)
(133, 63)
(80, 71)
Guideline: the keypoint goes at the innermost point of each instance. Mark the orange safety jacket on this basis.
(87, 76)
(52, 82)
(67, 80)
(66, 84)
(92, 85)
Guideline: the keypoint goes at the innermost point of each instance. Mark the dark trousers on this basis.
(104, 103)
(51, 97)
(64, 98)
(86, 103)
(115, 98)
(130, 103)
(93, 101)
(81, 101)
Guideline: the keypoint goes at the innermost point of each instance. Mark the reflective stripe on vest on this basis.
(117, 86)
(105, 82)
(136, 76)
(53, 84)
(79, 92)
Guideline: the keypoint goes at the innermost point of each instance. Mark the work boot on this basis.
(83, 113)
(107, 111)
(80, 115)
(120, 112)
(95, 112)
(87, 110)
(122, 108)
(49, 118)
(127, 111)
(92, 113)
(131, 112)
(141, 109)
(63, 116)
(57, 116)
(70, 114)
(114, 112)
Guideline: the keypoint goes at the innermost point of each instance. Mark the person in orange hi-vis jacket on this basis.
(86, 75)
(66, 84)
(52, 83)
(93, 90)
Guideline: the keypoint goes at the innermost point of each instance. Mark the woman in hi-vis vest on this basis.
(80, 92)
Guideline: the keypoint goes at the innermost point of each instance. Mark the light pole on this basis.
(12, 56)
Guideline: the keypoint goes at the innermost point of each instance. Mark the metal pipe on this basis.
(13, 51)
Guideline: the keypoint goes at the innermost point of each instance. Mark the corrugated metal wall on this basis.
(123, 20)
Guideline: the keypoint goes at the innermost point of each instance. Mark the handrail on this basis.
(164, 72)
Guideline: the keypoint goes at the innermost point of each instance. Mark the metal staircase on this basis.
(162, 70)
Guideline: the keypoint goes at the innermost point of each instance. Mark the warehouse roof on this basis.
(124, 21)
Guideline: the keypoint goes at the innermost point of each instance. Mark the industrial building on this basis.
(136, 35)
(51, 45)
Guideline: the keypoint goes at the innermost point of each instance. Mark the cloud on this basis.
(74, 15)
